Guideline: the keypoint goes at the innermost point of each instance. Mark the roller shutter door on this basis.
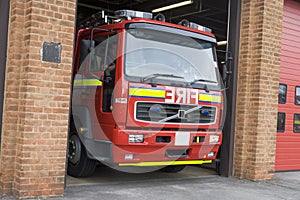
(288, 125)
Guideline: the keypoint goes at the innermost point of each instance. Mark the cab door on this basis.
(99, 90)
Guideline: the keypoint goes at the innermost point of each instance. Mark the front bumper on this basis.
(165, 147)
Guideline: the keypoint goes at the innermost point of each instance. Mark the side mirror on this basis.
(226, 68)
(107, 76)
(85, 46)
(226, 73)
(92, 45)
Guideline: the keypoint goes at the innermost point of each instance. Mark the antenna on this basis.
(96, 19)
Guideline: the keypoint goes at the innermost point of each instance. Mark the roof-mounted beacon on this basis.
(129, 14)
(186, 23)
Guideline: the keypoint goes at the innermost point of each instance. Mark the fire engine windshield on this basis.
(152, 54)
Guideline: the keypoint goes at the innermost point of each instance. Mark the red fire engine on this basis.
(146, 94)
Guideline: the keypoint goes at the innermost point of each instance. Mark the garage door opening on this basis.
(209, 14)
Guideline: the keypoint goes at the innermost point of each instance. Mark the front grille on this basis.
(182, 153)
(174, 113)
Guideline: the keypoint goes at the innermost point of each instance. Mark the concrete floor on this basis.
(105, 175)
(193, 183)
(187, 185)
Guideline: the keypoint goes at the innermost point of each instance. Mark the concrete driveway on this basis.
(187, 186)
(190, 184)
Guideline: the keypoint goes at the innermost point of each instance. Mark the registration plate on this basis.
(182, 138)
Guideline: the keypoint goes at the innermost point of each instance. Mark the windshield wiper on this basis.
(202, 80)
(157, 75)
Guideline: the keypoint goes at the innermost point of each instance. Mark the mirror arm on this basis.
(92, 45)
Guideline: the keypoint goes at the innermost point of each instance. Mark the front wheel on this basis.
(79, 165)
(173, 168)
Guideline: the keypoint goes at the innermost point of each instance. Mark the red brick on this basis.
(255, 131)
(31, 119)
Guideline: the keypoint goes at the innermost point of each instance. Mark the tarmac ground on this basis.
(192, 183)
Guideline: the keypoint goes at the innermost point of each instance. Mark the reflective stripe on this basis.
(160, 93)
(213, 98)
(87, 83)
(177, 162)
(147, 92)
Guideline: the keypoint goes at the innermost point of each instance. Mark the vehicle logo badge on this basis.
(181, 114)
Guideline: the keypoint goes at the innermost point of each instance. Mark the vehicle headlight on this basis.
(210, 154)
(214, 138)
(136, 138)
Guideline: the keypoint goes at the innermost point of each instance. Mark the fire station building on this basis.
(262, 128)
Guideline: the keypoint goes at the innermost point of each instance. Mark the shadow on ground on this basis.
(106, 175)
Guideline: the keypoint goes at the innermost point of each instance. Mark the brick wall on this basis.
(36, 104)
(258, 79)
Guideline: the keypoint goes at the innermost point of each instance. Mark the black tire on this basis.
(79, 165)
(173, 168)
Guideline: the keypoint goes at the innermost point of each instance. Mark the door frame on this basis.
(4, 19)
(233, 38)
